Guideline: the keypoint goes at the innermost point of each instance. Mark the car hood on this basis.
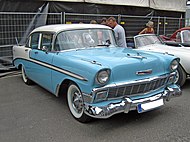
(125, 64)
(165, 48)
(181, 52)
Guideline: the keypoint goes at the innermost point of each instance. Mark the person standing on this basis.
(93, 22)
(119, 32)
(149, 28)
(104, 21)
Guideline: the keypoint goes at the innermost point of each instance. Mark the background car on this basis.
(153, 42)
(99, 79)
(181, 37)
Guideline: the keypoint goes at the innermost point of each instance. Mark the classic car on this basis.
(154, 43)
(98, 78)
(180, 37)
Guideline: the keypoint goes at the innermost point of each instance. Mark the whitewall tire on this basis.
(75, 103)
(180, 76)
(24, 77)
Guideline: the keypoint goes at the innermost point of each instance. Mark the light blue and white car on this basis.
(98, 78)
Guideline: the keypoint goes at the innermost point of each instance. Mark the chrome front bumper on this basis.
(106, 110)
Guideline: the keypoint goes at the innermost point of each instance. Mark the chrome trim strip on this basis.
(59, 70)
(92, 62)
(144, 72)
(55, 68)
(137, 56)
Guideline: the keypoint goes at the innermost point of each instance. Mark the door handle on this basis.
(35, 52)
(26, 50)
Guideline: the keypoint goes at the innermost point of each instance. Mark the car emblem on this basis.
(144, 72)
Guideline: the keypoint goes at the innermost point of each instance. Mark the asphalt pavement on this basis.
(31, 114)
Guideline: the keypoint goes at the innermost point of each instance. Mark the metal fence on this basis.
(13, 27)
(132, 24)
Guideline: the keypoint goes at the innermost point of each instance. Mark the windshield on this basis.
(76, 39)
(185, 36)
(144, 40)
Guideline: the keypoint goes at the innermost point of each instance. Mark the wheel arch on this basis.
(183, 68)
(182, 76)
(61, 90)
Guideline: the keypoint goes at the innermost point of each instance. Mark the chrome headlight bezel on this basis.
(174, 65)
(103, 76)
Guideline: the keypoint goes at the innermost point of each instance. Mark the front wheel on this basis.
(24, 77)
(75, 103)
(180, 76)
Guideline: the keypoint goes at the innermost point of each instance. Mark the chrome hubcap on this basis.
(177, 77)
(77, 102)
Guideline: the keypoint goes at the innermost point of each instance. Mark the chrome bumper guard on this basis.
(103, 110)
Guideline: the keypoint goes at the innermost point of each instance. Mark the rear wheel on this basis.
(25, 78)
(180, 76)
(75, 103)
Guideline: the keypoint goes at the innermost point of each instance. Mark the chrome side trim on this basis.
(59, 70)
(55, 68)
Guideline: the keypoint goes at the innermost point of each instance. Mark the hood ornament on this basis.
(138, 56)
(149, 71)
(92, 62)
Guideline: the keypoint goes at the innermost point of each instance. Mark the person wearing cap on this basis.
(149, 28)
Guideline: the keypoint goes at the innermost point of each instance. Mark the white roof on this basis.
(63, 27)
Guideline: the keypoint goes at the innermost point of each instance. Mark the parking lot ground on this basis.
(31, 114)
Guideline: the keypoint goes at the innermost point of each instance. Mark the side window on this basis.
(34, 40)
(46, 43)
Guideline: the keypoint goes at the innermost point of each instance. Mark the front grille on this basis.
(134, 89)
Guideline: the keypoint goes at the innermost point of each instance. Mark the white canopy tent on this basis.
(169, 5)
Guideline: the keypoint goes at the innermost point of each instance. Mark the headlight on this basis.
(103, 76)
(174, 64)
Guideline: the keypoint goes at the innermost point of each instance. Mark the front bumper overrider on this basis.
(124, 105)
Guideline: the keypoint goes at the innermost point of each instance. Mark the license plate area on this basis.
(149, 106)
